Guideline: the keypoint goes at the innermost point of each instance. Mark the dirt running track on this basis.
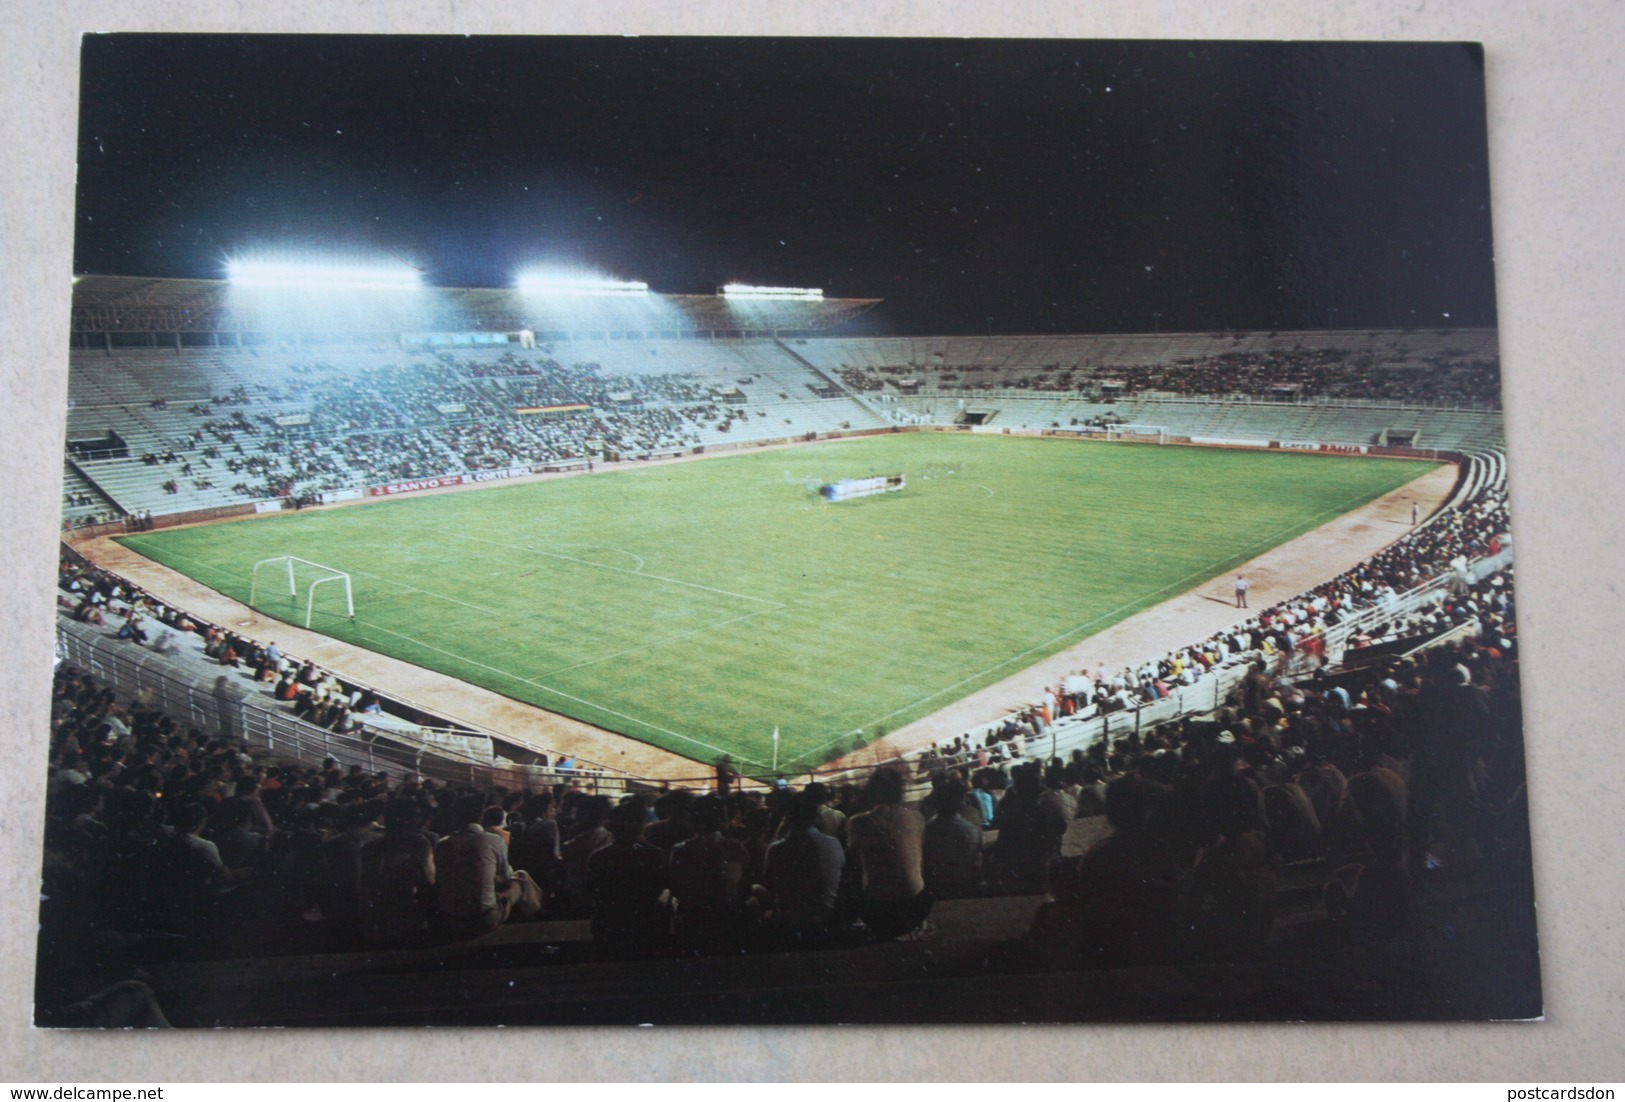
(1284, 572)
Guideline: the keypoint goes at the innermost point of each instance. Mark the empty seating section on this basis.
(81, 502)
(172, 430)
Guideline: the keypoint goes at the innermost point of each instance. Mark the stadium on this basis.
(1180, 667)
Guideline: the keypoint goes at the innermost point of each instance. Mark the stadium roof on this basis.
(135, 304)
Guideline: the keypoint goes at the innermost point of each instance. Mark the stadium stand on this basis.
(237, 837)
(209, 428)
(1315, 807)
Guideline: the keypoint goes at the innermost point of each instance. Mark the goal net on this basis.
(1143, 433)
(299, 585)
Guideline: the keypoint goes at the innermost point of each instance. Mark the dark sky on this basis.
(1051, 186)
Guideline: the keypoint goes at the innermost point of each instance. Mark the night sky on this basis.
(1049, 186)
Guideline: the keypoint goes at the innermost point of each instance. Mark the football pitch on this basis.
(700, 606)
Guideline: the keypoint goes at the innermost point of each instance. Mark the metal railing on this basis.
(229, 707)
(1209, 691)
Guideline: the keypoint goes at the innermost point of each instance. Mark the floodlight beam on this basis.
(263, 273)
(578, 285)
(747, 291)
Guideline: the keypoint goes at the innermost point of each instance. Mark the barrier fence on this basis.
(224, 706)
(1208, 693)
(227, 707)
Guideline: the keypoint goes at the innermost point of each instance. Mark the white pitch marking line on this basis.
(605, 566)
(546, 688)
(428, 593)
(639, 558)
(660, 642)
(1335, 510)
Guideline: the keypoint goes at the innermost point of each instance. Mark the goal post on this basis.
(1144, 434)
(291, 572)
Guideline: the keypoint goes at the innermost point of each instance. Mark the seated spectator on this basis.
(628, 880)
(533, 844)
(494, 819)
(672, 820)
(803, 873)
(951, 845)
(1030, 831)
(397, 879)
(831, 820)
(1235, 877)
(1115, 905)
(191, 878)
(886, 841)
(240, 845)
(1294, 829)
(478, 890)
(708, 881)
(1372, 897)
(341, 854)
(587, 836)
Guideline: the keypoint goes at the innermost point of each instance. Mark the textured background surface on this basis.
(1556, 147)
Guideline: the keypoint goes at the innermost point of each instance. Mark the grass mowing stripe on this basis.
(604, 566)
(1212, 570)
(545, 688)
(877, 604)
(658, 642)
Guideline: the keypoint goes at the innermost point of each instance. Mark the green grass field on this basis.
(698, 606)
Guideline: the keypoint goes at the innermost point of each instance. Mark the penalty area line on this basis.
(661, 642)
(544, 688)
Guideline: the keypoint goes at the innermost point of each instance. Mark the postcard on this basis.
(783, 531)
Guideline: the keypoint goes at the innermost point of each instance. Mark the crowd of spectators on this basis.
(1443, 548)
(1167, 846)
(1440, 378)
(321, 427)
(170, 841)
(325, 429)
(79, 500)
(316, 695)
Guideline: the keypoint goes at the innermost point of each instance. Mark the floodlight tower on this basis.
(578, 285)
(263, 273)
(744, 298)
(585, 301)
(300, 300)
(746, 291)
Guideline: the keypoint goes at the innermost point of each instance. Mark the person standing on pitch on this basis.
(1241, 586)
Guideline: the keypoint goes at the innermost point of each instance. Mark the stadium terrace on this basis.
(1303, 788)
